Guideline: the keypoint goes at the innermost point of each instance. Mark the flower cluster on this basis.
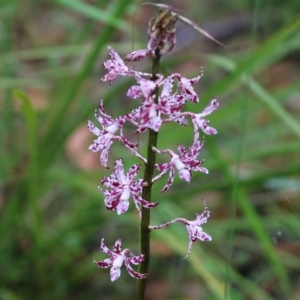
(152, 112)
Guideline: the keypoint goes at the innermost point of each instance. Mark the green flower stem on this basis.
(146, 194)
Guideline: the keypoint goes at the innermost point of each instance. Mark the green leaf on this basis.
(96, 14)
(30, 116)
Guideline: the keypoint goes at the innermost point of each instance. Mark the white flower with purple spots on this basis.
(117, 258)
(107, 136)
(193, 227)
(185, 86)
(171, 104)
(184, 162)
(115, 67)
(122, 187)
(199, 122)
(146, 116)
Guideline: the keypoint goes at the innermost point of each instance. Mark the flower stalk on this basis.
(146, 193)
(159, 103)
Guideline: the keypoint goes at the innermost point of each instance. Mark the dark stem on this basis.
(146, 194)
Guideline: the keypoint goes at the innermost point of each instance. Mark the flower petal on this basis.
(204, 236)
(134, 273)
(105, 249)
(122, 207)
(118, 246)
(115, 273)
(137, 55)
(135, 259)
(106, 263)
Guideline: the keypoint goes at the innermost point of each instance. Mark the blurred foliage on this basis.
(52, 215)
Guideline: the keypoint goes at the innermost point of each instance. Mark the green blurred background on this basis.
(52, 215)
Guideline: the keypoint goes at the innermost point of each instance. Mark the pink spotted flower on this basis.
(147, 115)
(116, 259)
(107, 136)
(169, 103)
(199, 122)
(193, 227)
(185, 162)
(185, 86)
(121, 187)
(115, 67)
